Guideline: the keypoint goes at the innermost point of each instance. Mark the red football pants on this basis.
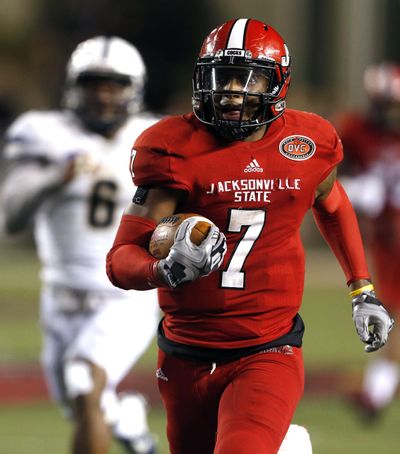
(242, 407)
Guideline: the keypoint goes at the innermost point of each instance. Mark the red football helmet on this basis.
(241, 78)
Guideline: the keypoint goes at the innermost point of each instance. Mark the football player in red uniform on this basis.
(230, 364)
(371, 175)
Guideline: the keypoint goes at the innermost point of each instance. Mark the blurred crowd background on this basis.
(331, 42)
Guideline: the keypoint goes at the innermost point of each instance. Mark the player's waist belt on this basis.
(218, 355)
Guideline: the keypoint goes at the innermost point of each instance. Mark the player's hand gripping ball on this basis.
(189, 246)
(163, 236)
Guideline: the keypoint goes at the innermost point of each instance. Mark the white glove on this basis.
(187, 262)
(369, 311)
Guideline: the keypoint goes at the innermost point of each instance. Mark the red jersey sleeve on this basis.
(156, 159)
(330, 147)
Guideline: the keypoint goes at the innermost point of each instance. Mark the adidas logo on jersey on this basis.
(160, 374)
(254, 166)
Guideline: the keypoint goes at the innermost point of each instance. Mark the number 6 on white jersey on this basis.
(233, 276)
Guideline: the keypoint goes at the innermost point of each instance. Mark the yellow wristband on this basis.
(358, 291)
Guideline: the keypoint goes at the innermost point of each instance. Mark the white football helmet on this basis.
(108, 58)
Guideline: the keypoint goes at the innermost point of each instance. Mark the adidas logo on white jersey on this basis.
(254, 166)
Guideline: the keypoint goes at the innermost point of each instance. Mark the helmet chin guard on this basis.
(241, 78)
(228, 132)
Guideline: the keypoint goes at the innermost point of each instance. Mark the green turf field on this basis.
(39, 429)
(331, 348)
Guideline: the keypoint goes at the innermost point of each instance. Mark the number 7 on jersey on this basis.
(234, 276)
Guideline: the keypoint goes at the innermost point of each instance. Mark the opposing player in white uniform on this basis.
(69, 175)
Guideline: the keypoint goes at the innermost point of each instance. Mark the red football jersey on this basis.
(257, 193)
(365, 143)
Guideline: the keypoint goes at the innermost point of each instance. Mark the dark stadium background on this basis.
(331, 42)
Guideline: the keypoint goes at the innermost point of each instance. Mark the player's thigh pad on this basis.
(256, 408)
(252, 399)
(51, 359)
(59, 331)
(190, 396)
(118, 334)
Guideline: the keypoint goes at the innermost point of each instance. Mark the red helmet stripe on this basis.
(237, 34)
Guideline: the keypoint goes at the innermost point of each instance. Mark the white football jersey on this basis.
(75, 228)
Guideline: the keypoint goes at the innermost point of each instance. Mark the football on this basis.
(163, 236)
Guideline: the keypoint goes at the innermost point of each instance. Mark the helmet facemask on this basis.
(103, 113)
(235, 97)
